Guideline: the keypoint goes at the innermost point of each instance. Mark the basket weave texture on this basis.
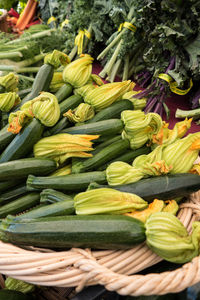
(111, 268)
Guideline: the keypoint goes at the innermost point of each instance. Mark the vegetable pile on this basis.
(84, 166)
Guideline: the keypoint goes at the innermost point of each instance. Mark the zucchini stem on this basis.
(195, 113)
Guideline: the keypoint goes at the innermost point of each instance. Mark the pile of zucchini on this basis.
(37, 206)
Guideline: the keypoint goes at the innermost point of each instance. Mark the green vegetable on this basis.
(49, 196)
(13, 193)
(70, 103)
(18, 285)
(64, 92)
(99, 231)
(13, 295)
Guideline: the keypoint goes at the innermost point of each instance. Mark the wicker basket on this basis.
(111, 268)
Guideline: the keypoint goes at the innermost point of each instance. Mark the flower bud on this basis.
(107, 201)
(57, 58)
(9, 82)
(92, 83)
(107, 94)
(138, 104)
(8, 101)
(78, 72)
(56, 82)
(168, 238)
(62, 146)
(81, 113)
(139, 128)
(18, 119)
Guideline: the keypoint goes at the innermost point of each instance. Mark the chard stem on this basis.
(32, 36)
(126, 67)
(30, 61)
(19, 70)
(115, 69)
(194, 113)
(73, 53)
(14, 54)
(26, 78)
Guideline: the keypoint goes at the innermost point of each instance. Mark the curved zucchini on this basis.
(113, 111)
(49, 196)
(20, 204)
(21, 168)
(98, 231)
(161, 187)
(14, 193)
(71, 102)
(41, 84)
(64, 92)
(72, 182)
(102, 157)
(23, 142)
(108, 127)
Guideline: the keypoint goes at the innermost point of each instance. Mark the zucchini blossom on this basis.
(105, 95)
(107, 201)
(92, 83)
(168, 238)
(81, 113)
(45, 108)
(137, 103)
(78, 72)
(56, 82)
(139, 128)
(195, 169)
(167, 136)
(63, 146)
(8, 101)
(57, 58)
(18, 285)
(9, 82)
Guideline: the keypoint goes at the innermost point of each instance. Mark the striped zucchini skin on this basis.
(5, 137)
(70, 103)
(113, 111)
(106, 127)
(19, 205)
(102, 157)
(23, 142)
(94, 231)
(72, 182)
(21, 168)
(60, 125)
(64, 92)
(6, 185)
(14, 193)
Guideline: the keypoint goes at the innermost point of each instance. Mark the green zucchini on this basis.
(14, 193)
(127, 157)
(94, 231)
(113, 111)
(21, 168)
(72, 182)
(49, 196)
(13, 295)
(102, 157)
(62, 208)
(161, 187)
(70, 103)
(4, 119)
(5, 137)
(60, 125)
(64, 92)
(41, 83)
(6, 185)
(19, 205)
(23, 142)
(107, 127)
(106, 143)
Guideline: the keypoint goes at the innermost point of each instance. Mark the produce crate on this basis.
(3, 22)
(115, 269)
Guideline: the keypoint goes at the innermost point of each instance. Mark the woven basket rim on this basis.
(111, 268)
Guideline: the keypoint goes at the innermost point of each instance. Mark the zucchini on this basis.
(61, 208)
(14, 193)
(60, 125)
(4, 119)
(72, 182)
(113, 111)
(127, 157)
(64, 92)
(5, 185)
(5, 137)
(21, 168)
(108, 127)
(20, 204)
(106, 143)
(70, 103)
(94, 231)
(161, 187)
(49, 196)
(23, 142)
(102, 157)
(41, 84)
